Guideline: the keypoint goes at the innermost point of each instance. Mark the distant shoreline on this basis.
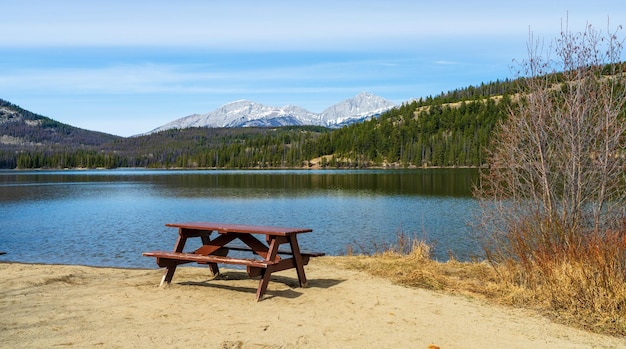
(244, 169)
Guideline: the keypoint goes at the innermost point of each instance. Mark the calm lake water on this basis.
(109, 217)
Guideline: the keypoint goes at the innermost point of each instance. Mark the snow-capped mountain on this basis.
(244, 113)
(356, 109)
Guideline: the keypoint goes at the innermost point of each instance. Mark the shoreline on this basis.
(303, 168)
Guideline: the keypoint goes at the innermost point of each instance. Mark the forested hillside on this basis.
(418, 134)
(451, 129)
(39, 140)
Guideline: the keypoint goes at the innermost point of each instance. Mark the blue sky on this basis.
(127, 67)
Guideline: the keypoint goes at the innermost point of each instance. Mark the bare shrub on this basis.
(552, 201)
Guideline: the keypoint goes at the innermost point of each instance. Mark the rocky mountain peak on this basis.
(245, 113)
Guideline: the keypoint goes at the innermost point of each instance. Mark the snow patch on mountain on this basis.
(361, 107)
(244, 113)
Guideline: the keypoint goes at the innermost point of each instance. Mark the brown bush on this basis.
(553, 199)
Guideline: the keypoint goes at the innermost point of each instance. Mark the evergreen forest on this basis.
(452, 129)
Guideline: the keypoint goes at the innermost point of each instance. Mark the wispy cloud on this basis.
(447, 63)
(274, 25)
(213, 77)
(96, 62)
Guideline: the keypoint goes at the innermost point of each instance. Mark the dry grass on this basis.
(416, 268)
(581, 280)
(585, 290)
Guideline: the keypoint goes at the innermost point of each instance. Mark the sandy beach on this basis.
(53, 306)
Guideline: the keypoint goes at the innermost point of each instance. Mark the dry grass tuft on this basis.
(414, 267)
(585, 289)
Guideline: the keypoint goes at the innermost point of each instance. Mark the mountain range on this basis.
(29, 140)
(245, 113)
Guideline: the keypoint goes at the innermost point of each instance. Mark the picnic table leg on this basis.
(267, 272)
(178, 247)
(215, 270)
(297, 258)
(168, 275)
(265, 280)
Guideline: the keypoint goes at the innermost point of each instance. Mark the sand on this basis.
(52, 306)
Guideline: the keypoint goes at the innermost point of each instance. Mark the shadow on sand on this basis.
(291, 282)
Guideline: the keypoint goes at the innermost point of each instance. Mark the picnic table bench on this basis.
(215, 250)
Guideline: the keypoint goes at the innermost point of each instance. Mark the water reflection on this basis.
(109, 217)
(434, 182)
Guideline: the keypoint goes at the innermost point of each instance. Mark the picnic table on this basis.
(215, 249)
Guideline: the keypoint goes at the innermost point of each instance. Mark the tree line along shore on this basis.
(450, 130)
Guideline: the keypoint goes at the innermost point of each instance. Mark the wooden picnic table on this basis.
(215, 249)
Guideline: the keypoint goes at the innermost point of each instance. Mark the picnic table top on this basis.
(240, 228)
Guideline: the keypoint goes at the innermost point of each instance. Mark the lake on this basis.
(109, 217)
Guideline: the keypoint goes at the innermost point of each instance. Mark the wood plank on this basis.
(215, 244)
(254, 245)
(284, 252)
(283, 264)
(240, 228)
(194, 233)
(192, 257)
